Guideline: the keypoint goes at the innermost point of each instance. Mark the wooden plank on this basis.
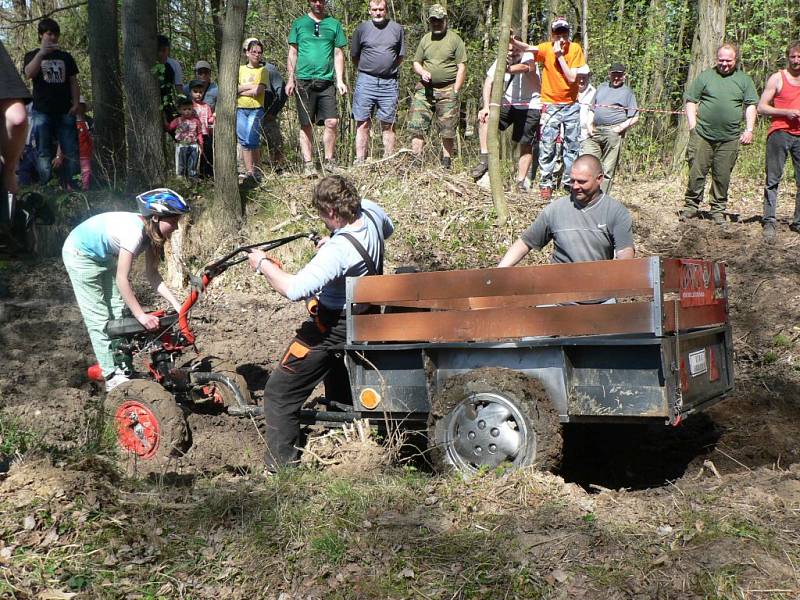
(522, 300)
(598, 277)
(504, 323)
(691, 317)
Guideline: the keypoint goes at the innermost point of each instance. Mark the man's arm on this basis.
(514, 254)
(749, 124)
(291, 63)
(338, 67)
(570, 73)
(691, 114)
(461, 75)
(75, 94)
(620, 128)
(424, 74)
(486, 94)
(625, 253)
(765, 103)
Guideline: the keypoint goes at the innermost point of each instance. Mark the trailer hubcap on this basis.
(137, 429)
(485, 430)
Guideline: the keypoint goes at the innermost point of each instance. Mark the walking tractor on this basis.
(148, 411)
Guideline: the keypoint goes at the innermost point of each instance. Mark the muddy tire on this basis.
(488, 417)
(148, 425)
(223, 395)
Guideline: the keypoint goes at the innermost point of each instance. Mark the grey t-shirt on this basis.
(581, 233)
(338, 259)
(377, 48)
(621, 98)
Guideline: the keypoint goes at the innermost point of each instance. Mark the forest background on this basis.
(664, 43)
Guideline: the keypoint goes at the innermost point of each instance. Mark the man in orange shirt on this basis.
(560, 59)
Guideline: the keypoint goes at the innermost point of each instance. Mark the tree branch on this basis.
(19, 23)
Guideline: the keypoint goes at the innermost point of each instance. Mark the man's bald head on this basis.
(587, 161)
(587, 176)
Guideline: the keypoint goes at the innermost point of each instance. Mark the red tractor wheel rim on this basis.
(138, 431)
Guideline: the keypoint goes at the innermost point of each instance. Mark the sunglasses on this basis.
(316, 29)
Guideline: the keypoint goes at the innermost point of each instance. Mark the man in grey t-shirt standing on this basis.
(614, 111)
(377, 49)
(586, 225)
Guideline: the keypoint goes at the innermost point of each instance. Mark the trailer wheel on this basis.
(148, 424)
(218, 392)
(488, 417)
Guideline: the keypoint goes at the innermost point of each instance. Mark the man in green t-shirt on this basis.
(715, 101)
(315, 57)
(440, 62)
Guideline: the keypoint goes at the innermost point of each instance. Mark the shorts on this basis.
(316, 101)
(248, 127)
(371, 92)
(443, 101)
(525, 122)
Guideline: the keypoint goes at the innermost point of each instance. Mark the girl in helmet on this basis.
(98, 255)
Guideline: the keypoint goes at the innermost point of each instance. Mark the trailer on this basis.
(491, 362)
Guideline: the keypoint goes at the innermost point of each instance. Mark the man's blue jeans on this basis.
(51, 129)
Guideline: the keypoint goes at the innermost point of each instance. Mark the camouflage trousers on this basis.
(429, 100)
(563, 120)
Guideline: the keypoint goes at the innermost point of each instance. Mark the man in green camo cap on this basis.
(440, 62)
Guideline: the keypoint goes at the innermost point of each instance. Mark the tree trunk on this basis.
(144, 131)
(216, 18)
(708, 35)
(584, 29)
(523, 22)
(109, 123)
(487, 26)
(227, 210)
(498, 89)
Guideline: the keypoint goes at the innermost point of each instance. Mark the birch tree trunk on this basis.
(143, 131)
(708, 35)
(109, 118)
(495, 178)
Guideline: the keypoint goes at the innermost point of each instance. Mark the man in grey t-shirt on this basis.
(586, 225)
(377, 49)
(614, 111)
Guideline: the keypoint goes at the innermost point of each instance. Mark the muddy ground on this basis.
(745, 449)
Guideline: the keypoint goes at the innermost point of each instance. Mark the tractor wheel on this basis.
(148, 424)
(489, 417)
(220, 394)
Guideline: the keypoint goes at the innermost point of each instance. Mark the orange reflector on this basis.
(369, 398)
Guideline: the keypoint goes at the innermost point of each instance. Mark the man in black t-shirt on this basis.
(56, 96)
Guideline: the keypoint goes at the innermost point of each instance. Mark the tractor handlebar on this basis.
(212, 270)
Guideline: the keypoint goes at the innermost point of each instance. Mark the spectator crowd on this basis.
(554, 111)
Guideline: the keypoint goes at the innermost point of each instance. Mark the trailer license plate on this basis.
(697, 362)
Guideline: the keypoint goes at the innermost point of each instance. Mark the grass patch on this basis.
(15, 440)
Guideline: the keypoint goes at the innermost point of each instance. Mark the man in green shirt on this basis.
(715, 102)
(440, 62)
(315, 58)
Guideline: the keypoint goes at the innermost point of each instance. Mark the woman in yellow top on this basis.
(253, 78)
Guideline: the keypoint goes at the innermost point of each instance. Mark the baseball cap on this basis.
(202, 64)
(616, 68)
(584, 70)
(559, 23)
(437, 11)
(196, 83)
